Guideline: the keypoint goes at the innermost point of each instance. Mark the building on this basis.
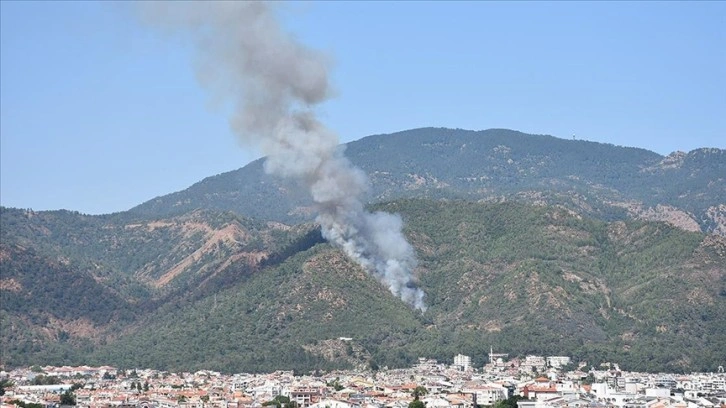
(485, 394)
(462, 361)
(305, 397)
(494, 356)
(558, 361)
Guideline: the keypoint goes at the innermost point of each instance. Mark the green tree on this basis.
(589, 379)
(416, 404)
(68, 398)
(281, 401)
(46, 380)
(419, 391)
(510, 402)
(5, 383)
(23, 404)
(336, 385)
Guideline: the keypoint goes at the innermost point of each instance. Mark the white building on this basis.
(436, 402)
(462, 361)
(533, 363)
(486, 394)
(558, 361)
(331, 403)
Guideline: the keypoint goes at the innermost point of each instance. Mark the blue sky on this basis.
(99, 113)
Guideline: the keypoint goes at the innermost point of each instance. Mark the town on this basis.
(529, 382)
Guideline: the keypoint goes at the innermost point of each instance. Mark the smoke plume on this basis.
(274, 84)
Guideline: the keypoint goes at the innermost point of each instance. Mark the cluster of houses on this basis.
(541, 381)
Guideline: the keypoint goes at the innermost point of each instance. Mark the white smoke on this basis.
(274, 83)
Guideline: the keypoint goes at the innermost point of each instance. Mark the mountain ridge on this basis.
(488, 165)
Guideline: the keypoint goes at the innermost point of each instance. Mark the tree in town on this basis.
(419, 391)
(5, 383)
(510, 402)
(68, 398)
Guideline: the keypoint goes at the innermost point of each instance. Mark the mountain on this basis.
(50, 308)
(599, 180)
(225, 292)
(80, 278)
(527, 243)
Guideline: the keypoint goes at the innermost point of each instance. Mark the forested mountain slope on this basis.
(599, 180)
(523, 278)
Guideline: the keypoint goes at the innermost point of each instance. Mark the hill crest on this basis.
(599, 180)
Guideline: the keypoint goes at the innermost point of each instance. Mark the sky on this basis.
(99, 112)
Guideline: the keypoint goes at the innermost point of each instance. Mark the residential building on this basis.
(462, 361)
